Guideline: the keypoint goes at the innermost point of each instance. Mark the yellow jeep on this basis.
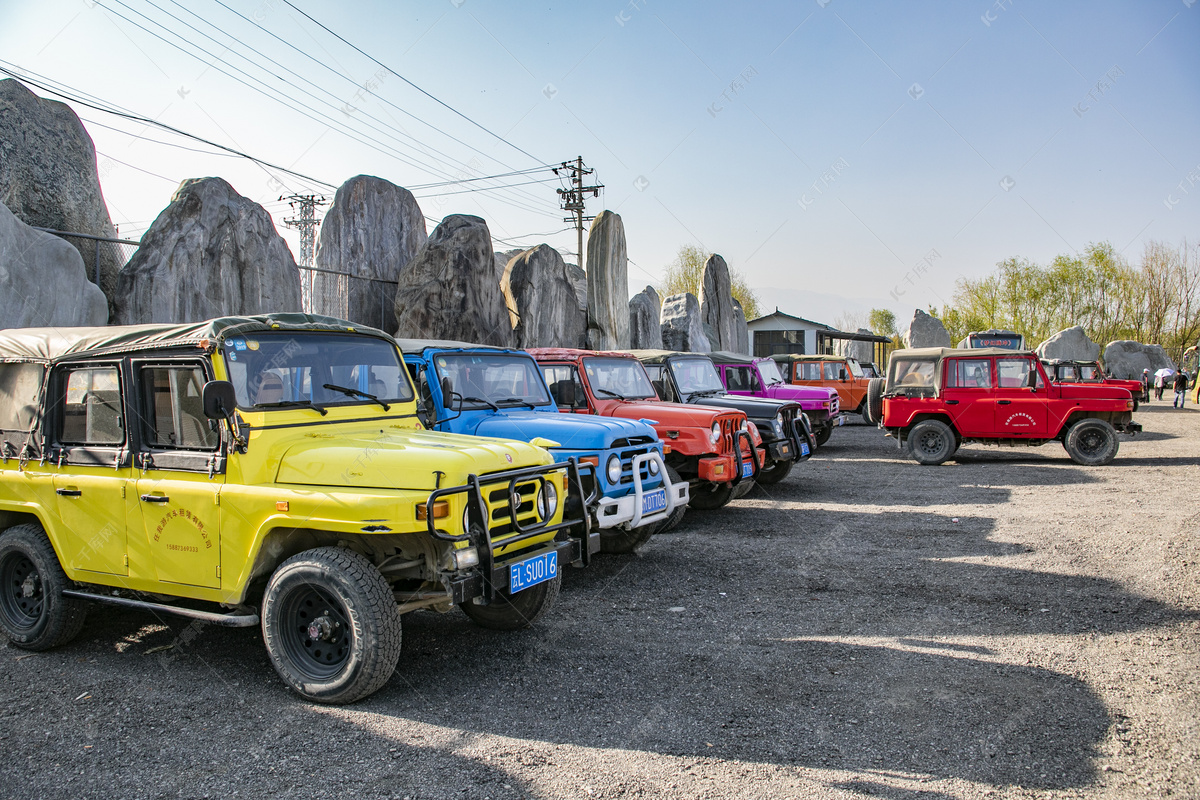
(264, 470)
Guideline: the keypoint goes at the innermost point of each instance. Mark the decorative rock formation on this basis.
(1126, 359)
(43, 280)
(210, 253)
(1069, 345)
(608, 284)
(502, 259)
(716, 303)
(579, 281)
(645, 330)
(926, 331)
(859, 351)
(682, 329)
(48, 175)
(741, 330)
(371, 232)
(447, 292)
(541, 300)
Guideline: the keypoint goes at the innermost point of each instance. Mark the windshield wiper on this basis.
(355, 393)
(487, 403)
(519, 401)
(707, 392)
(293, 403)
(611, 393)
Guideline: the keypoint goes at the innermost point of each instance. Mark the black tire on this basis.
(873, 404)
(676, 516)
(742, 489)
(775, 473)
(511, 612)
(34, 614)
(330, 624)
(1091, 443)
(822, 434)
(622, 540)
(931, 442)
(709, 496)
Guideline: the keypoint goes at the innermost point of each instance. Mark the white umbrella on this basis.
(1165, 372)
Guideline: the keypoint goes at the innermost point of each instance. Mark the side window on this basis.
(565, 386)
(172, 409)
(833, 370)
(658, 378)
(735, 379)
(970, 373)
(19, 387)
(91, 409)
(1013, 373)
(810, 370)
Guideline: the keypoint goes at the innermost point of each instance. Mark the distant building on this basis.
(784, 333)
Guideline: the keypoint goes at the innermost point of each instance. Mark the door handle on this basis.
(951, 402)
(68, 492)
(155, 498)
(1004, 402)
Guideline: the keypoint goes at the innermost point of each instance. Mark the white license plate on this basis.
(532, 571)
(654, 502)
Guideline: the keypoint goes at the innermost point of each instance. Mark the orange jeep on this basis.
(834, 372)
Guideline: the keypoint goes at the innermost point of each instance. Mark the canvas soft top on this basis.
(802, 357)
(51, 344)
(417, 345)
(930, 353)
(660, 356)
(729, 357)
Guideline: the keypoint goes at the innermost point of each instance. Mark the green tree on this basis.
(882, 321)
(686, 274)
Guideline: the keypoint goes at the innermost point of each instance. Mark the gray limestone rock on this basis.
(926, 331)
(541, 300)
(741, 330)
(608, 284)
(1071, 344)
(1126, 359)
(716, 303)
(43, 280)
(448, 290)
(372, 230)
(579, 281)
(859, 351)
(682, 329)
(210, 253)
(501, 260)
(48, 175)
(645, 329)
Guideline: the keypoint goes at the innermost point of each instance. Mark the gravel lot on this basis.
(1007, 625)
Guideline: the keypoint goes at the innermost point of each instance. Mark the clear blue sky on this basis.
(842, 155)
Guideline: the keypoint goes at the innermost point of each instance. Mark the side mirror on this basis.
(447, 390)
(842, 374)
(219, 399)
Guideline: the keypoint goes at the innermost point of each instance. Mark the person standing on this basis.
(1145, 386)
(1180, 385)
(1159, 381)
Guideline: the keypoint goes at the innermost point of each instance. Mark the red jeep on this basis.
(710, 448)
(934, 399)
(1091, 372)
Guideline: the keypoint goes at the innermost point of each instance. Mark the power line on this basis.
(571, 198)
(486, 188)
(413, 85)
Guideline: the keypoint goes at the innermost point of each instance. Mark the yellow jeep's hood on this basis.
(401, 459)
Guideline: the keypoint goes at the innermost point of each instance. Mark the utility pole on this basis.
(572, 199)
(306, 222)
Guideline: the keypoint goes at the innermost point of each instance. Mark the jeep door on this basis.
(968, 395)
(741, 379)
(1020, 398)
(90, 464)
(566, 387)
(181, 469)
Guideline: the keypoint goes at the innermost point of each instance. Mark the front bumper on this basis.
(463, 588)
(626, 511)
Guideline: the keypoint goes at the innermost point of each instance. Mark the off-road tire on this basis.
(1091, 443)
(331, 585)
(676, 516)
(821, 435)
(931, 442)
(512, 612)
(625, 540)
(709, 497)
(45, 618)
(774, 474)
(743, 488)
(873, 404)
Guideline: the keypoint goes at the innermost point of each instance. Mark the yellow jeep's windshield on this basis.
(277, 370)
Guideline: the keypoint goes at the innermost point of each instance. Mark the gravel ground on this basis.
(1007, 625)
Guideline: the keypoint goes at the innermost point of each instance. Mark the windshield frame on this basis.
(531, 366)
(717, 386)
(776, 372)
(633, 363)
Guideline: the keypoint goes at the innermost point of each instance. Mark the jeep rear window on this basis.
(19, 386)
(623, 376)
(912, 377)
(500, 379)
(275, 369)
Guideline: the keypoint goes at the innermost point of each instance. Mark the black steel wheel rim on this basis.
(316, 632)
(1092, 442)
(22, 591)
(931, 443)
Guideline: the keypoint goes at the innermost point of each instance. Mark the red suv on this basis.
(934, 399)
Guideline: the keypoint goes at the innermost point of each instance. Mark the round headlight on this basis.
(613, 469)
(467, 516)
(779, 419)
(716, 432)
(653, 466)
(746, 424)
(547, 501)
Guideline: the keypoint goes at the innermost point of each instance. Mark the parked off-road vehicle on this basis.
(760, 377)
(842, 374)
(491, 391)
(1091, 372)
(692, 378)
(934, 399)
(716, 451)
(267, 471)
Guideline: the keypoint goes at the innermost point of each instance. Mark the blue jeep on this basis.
(492, 391)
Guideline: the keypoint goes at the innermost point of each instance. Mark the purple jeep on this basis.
(760, 377)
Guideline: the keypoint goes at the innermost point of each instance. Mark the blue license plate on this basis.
(747, 469)
(654, 502)
(803, 448)
(532, 571)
